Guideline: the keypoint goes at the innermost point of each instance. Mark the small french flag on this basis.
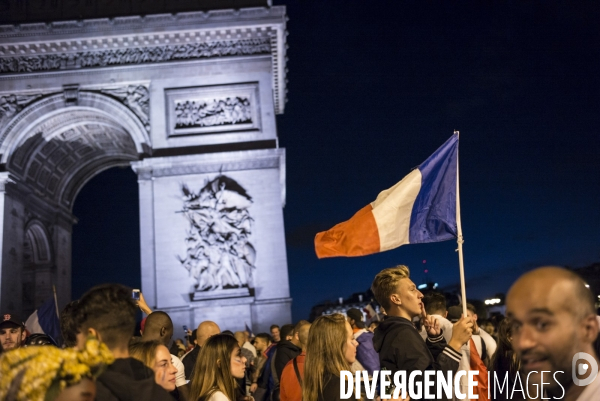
(371, 312)
(421, 208)
(45, 321)
(249, 330)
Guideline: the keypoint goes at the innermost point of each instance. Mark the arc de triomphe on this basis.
(188, 100)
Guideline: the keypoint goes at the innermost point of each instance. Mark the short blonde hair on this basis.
(385, 283)
(145, 351)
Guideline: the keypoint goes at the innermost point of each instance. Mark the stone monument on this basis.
(188, 99)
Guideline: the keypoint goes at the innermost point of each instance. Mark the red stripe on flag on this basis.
(477, 364)
(356, 237)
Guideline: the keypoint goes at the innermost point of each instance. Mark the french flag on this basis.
(249, 330)
(421, 208)
(45, 321)
(370, 311)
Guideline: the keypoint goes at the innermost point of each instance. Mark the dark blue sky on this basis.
(374, 88)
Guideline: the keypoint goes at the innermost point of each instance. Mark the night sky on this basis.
(374, 88)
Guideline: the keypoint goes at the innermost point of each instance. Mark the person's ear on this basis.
(163, 331)
(218, 362)
(23, 335)
(94, 333)
(590, 328)
(395, 298)
(446, 314)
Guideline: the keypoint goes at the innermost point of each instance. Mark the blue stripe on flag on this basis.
(433, 216)
(48, 320)
(249, 330)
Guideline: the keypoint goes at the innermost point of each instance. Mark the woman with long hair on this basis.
(505, 362)
(158, 358)
(331, 348)
(219, 363)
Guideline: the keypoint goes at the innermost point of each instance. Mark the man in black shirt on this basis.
(107, 312)
(398, 342)
(205, 330)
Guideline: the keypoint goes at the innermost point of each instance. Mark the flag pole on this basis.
(55, 301)
(459, 240)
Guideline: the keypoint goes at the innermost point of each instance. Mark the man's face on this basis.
(260, 344)
(275, 335)
(11, 336)
(545, 332)
(473, 317)
(410, 297)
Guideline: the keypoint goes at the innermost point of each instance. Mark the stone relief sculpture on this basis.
(207, 113)
(139, 55)
(12, 104)
(219, 252)
(137, 98)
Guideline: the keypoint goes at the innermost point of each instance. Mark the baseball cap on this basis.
(11, 318)
(454, 313)
(357, 316)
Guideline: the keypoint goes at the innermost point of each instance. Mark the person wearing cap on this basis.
(12, 332)
(365, 353)
(435, 305)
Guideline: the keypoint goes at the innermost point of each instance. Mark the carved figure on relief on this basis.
(219, 254)
(12, 104)
(208, 113)
(137, 98)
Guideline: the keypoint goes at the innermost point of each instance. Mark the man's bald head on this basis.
(206, 330)
(553, 320)
(240, 336)
(159, 327)
(561, 286)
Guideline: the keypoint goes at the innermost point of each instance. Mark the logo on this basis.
(6, 317)
(582, 368)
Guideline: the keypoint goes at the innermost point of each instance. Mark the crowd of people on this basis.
(550, 321)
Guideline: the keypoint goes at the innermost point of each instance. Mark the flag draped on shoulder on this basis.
(421, 208)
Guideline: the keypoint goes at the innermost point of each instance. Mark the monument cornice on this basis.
(209, 163)
(146, 23)
(123, 41)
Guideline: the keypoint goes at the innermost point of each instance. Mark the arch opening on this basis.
(106, 246)
(38, 267)
(50, 150)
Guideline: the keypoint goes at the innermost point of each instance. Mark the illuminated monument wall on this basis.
(189, 101)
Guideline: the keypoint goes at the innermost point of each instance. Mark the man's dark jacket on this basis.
(286, 351)
(265, 380)
(128, 379)
(189, 361)
(401, 347)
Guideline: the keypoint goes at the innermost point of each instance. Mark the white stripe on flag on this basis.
(392, 210)
(33, 324)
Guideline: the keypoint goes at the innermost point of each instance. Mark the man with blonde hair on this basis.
(398, 342)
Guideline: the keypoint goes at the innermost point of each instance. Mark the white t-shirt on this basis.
(180, 376)
(250, 347)
(218, 396)
(490, 349)
(446, 326)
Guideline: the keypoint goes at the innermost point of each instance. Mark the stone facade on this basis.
(189, 100)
